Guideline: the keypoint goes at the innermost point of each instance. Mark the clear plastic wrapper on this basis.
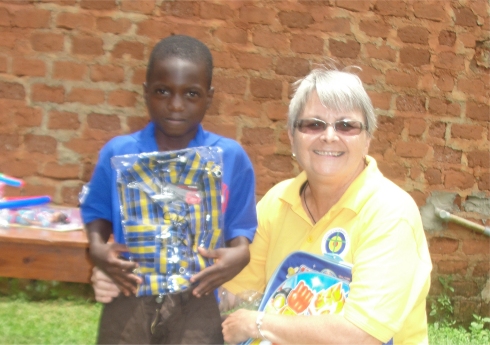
(170, 205)
(47, 217)
(228, 302)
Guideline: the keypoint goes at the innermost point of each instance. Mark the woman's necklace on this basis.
(306, 204)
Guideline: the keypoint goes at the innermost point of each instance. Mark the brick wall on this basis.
(71, 74)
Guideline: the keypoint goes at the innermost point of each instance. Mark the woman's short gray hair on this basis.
(340, 91)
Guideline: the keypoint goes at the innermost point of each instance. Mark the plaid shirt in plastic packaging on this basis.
(170, 205)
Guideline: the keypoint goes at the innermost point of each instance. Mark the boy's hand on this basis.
(228, 263)
(106, 257)
(104, 288)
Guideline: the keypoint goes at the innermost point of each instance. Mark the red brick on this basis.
(28, 117)
(458, 179)
(382, 53)
(416, 127)
(394, 172)
(454, 109)
(12, 90)
(368, 74)
(447, 38)
(253, 61)
(98, 5)
(433, 176)
(234, 86)
(375, 28)
(470, 132)
(452, 267)
(86, 96)
(69, 194)
(279, 163)
(410, 104)
(339, 25)
(115, 26)
(63, 120)
(135, 123)
(414, 34)
(478, 111)
(443, 245)
(405, 80)
(231, 35)
(264, 88)
(449, 60)
(307, 44)
(414, 56)
(418, 197)
(469, 41)
(484, 182)
(380, 100)
(208, 10)
(292, 66)
(353, 5)
(69, 70)
(9, 142)
(145, 7)
(46, 93)
(104, 122)
(134, 49)
(473, 87)
(182, 9)
(475, 247)
(256, 15)
(391, 8)
(87, 45)
(257, 136)
(84, 146)
(481, 269)
(478, 159)
(31, 18)
(465, 17)
(446, 154)
(3, 64)
(40, 143)
(108, 73)
(445, 82)
(4, 17)
(437, 130)
(70, 21)
(276, 111)
(241, 108)
(411, 149)
(294, 19)
(265, 38)
(348, 49)
(28, 67)
(61, 172)
(433, 10)
(154, 29)
(139, 76)
(122, 98)
(47, 42)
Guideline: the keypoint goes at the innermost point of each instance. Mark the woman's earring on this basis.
(293, 155)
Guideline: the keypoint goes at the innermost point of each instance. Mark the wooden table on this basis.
(44, 254)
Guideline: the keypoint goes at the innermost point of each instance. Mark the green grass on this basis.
(62, 321)
(48, 322)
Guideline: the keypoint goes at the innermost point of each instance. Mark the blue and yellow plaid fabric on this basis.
(170, 205)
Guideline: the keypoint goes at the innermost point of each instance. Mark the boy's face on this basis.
(177, 97)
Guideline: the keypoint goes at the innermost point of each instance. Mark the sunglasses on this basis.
(316, 126)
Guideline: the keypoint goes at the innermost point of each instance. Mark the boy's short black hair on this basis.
(184, 47)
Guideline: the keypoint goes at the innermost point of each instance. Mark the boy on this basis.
(177, 94)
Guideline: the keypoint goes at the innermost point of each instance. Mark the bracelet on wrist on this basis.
(258, 322)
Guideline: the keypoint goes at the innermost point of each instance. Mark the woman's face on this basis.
(330, 156)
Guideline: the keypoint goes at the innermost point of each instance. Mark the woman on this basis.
(340, 194)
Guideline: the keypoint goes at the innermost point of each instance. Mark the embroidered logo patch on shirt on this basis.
(336, 241)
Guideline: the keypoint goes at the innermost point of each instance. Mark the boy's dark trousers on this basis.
(178, 319)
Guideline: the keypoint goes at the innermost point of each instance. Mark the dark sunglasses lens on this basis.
(348, 127)
(311, 126)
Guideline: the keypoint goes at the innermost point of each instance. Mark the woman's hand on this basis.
(228, 263)
(239, 326)
(104, 288)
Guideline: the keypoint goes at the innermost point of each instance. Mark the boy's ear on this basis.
(210, 97)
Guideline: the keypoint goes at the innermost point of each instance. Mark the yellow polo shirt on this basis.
(377, 227)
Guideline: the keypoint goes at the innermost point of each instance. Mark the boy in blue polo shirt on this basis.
(177, 94)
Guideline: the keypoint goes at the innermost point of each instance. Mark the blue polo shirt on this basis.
(101, 200)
